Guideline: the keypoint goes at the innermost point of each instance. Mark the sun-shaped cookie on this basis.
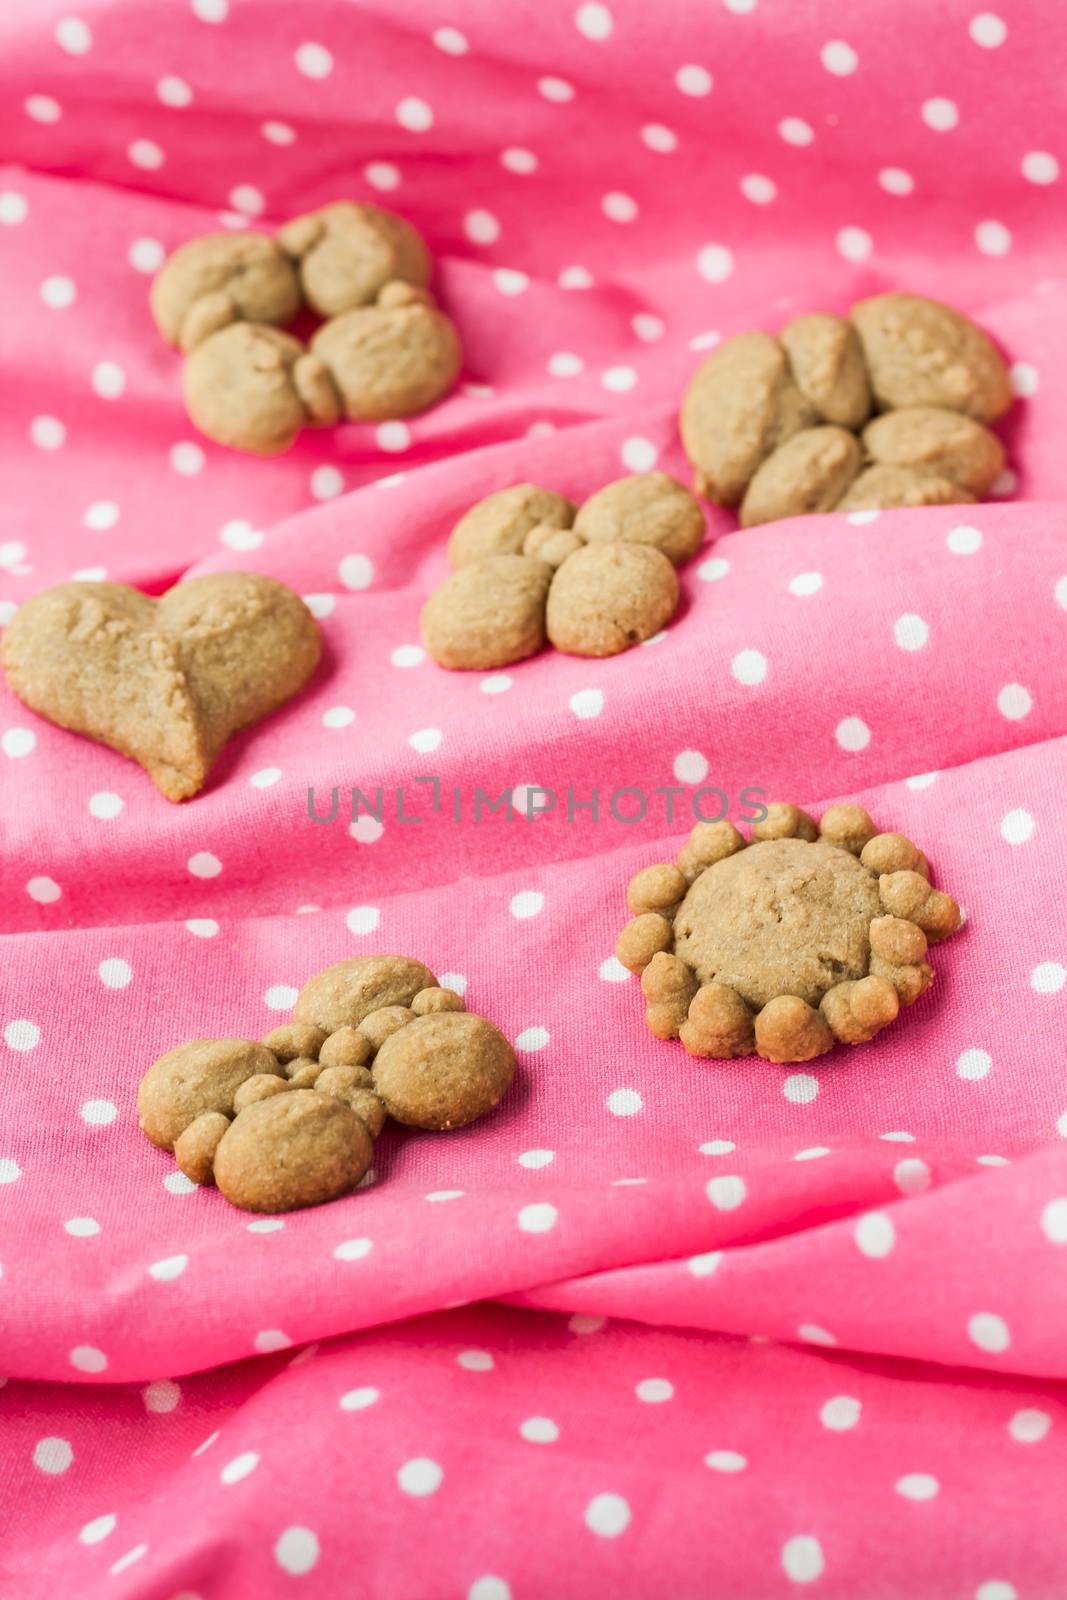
(807, 935)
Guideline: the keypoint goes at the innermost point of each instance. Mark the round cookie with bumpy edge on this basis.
(810, 472)
(443, 1070)
(342, 995)
(944, 442)
(826, 359)
(607, 597)
(252, 388)
(810, 934)
(391, 359)
(221, 278)
(291, 1151)
(203, 1075)
(920, 352)
(347, 251)
(487, 613)
(647, 508)
(884, 488)
(499, 524)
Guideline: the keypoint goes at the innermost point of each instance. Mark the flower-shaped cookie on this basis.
(291, 1122)
(808, 935)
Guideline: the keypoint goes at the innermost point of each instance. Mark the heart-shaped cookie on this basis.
(165, 682)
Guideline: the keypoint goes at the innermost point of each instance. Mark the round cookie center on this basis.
(780, 917)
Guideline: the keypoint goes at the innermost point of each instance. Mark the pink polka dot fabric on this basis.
(659, 1326)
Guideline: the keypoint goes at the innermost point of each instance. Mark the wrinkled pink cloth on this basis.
(659, 1326)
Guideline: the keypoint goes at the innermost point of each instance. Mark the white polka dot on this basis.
(805, 584)
(187, 458)
(356, 571)
(297, 1549)
(749, 667)
(48, 433)
(366, 830)
(53, 1456)
(14, 208)
(853, 734)
(1029, 1426)
(1054, 1218)
(278, 133)
(269, 1340)
(992, 238)
(583, 1323)
(911, 1176)
(90, 574)
(811, 1333)
(1048, 977)
(1024, 379)
(586, 703)
(989, 1332)
(515, 159)
(996, 1589)
(594, 21)
(725, 1461)
(146, 255)
(509, 281)
(426, 740)
(265, 1225)
(607, 1515)
(575, 278)
(693, 80)
(353, 1249)
(10, 1172)
(408, 655)
(613, 971)
(363, 919)
(108, 380)
(475, 1361)
(44, 890)
(420, 1476)
(1017, 827)
(619, 207)
(282, 997)
(527, 903)
(58, 292)
(539, 1218)
(659, 138)
(715, 262)
(1038, 166)
(145, 154)
(98, 1529)
(358, 1399)
(619, 380)
(558, 90)
(641, 455)
(247, 200)
(174, 92)
(204, 865)
(82, 1227)
(481, 227)
(973, 1064)
(717, 1147)
(989, 31)
(338, 717)
(802, 1558)
(414, 115)
(940, 114)
(320, 605)
(532, 1039)
(727, 1193)
(202, 927)
(1014, 702)
(801, 1088)
(239, 1467)
(162, 1396)
(654, 1391)
(910, 631)
(86, 1358)
(860, 519)
(99, 1113)
(211, 10)
(42, 108)
(704, 1266)
(690, 767)
(917, 1486)
(128, 1560)
(894, 180)
(168, 1269)
(534, 1160)
(840, 1413)
(115, 973)
(795, 131)
(855, 244)
(713, 569)
(839, 58)
(22, 1035)
(451, 41)
(964, 540)
(564, 364)
(539, 1430)
(8, 609)
(392, 436)
(313, 60)
(624, 1102)
(874, 1235)
(266, 778)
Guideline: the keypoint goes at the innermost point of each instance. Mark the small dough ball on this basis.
(489, 613)
(910, 980)
(194, 1150)
(658, 888)
(292, 1150)
(295, 1039)
(203, 1075)
(347, 251)
(741, 404)
(857, 1010)
(708, 842)
(719, 1024)
(784, 821)
(890, 852)
(428, 1000)
(390, 360)
(355, 1086)
(259, 1087)
(499, 524)
(788, 1029)
(552, 545)
(342, 995)
(847, 826)
(642, 939)
(346, 1048)
(809, 473)
(668, 985)
(897, 940)
(827, 363)
(649, 508)
(922, 353)
(339, 1080)
(222, 278)
(443, 1070)
(885, 488)
(943, 442)
(303, 1073)
(382, 1024)
(239, 388)
(607, 597)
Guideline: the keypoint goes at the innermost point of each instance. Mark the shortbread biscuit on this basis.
(826, 359)
(203, 1075)
(222, 278)
(347, 251)
(342, 995)
(253, 388)
(648, 508)
(607, 597)
(290, 1151)
(390, 359)
(443, 1070)
(922, 353)
(943, 442)
(499, 524)
(488, 613)
(810, 472)
(881, 488)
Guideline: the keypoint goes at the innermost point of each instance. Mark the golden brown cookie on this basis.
(943, 442)
(648, 508)
(251, 387)
(194, 1150)
(499, 524)
(222, 278)
(488, 613)
(347, 251)
(922, 353)
(443, 1070)
(551, 545)
(810, 472)
(804, 936)
(390, 359)
(293, 1150)
(826, 359)
(607, 597)
(881, 488)
(165, 682)
(342, 995)
(203, 1075)
(346, 1048)
(741, 404)
(294, 1040)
